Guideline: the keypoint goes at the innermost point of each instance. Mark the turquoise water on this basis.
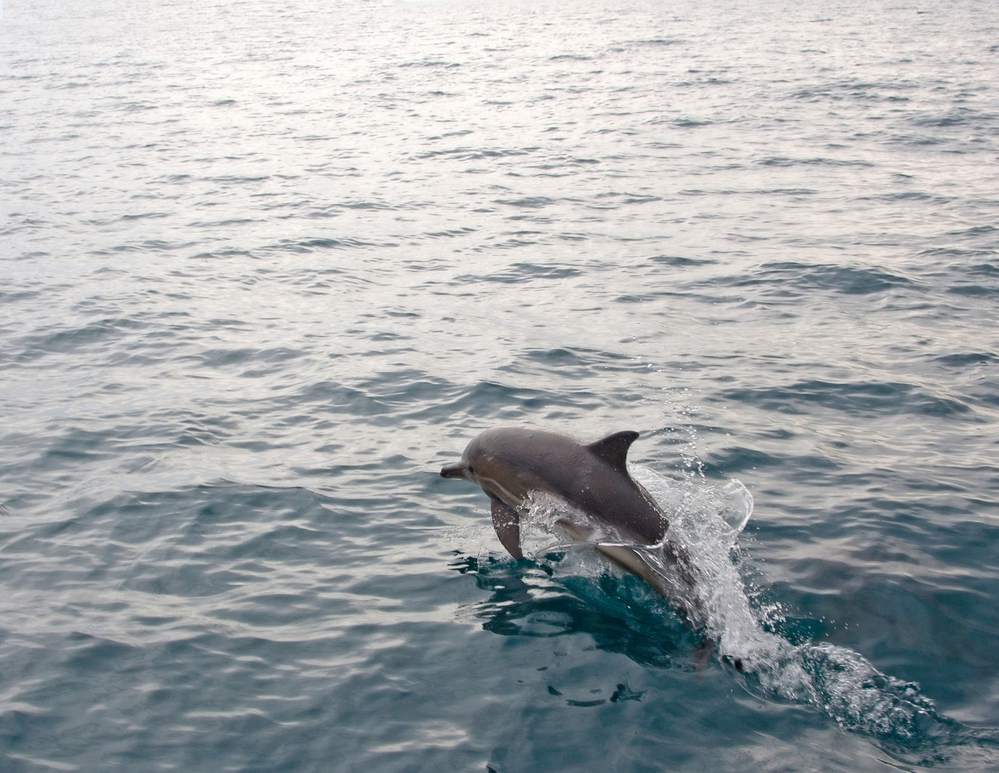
(267, 266)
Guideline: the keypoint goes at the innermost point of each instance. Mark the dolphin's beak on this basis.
(458, 470)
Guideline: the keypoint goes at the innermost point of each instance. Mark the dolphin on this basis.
(621, 519)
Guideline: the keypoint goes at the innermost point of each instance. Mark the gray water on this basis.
(266, 266)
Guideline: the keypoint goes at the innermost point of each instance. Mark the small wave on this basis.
(785, 161)
(528, 202)
(474, 154)
(431, 63)
(519, 273)
(789, 277)
(855, 399)
(659, 42)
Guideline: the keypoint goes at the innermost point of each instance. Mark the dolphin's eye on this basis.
(471, 470)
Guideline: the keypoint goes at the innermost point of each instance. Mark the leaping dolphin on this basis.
(512, 464)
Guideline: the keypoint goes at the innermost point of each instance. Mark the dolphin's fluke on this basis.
(613, 449)
(506, 521)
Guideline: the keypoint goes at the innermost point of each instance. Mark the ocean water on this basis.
(266, 266)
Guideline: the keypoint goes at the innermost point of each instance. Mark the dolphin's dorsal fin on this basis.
(613, 449)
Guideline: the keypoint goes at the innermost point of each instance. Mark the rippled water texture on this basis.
(266, 266)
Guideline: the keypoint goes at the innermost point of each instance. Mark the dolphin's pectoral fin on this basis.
(506, 521)
(613, 449)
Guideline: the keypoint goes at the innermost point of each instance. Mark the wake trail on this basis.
(706, 520)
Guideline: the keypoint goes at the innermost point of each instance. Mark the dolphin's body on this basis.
(512, 464)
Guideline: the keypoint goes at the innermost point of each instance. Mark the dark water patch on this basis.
(476, 154)
(228, 323)
(137, 106)
(487, 401)
(451, 233)
(944, 120)
(582, 161)
(618, 613)
(794, 192)
(677, 261)
(513, 244)
(586, 703)
(848, 280)
(96, 335)
(528, 202)
(633, 298)
(431, 63)
(128, 439)
(917, 140)
(409, 389)
(856, 90)
(733, 460)
(88, 653)
(236, 179)
(974, 291)
(867, 399)
(18, 295)
(273, 687)
(76, 446)
(386, 336)
(966, 254)
(520, 273)
(908, 196)
(186, 428)
(332, 397)
(223, 358)
(324, 213)
(213, 530)
(786, 161)
(568, 364)
(224, 252)
(145, 216)
(147, 245)
(624, 197)
(690, 123)
(705, 298)
(315, 244)
(978, 230)
(985, 269)
(223, 223)
(730, 461)
(657, 42)
(990, 395)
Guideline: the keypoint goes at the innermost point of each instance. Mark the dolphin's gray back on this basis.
(593, 478)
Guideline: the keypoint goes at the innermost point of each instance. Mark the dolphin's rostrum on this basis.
(512, 464)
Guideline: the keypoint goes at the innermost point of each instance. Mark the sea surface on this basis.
(267, 265)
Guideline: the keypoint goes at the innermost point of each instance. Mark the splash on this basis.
(706, 521)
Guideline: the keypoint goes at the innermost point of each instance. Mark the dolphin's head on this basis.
(474, 462)
(487, 464)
